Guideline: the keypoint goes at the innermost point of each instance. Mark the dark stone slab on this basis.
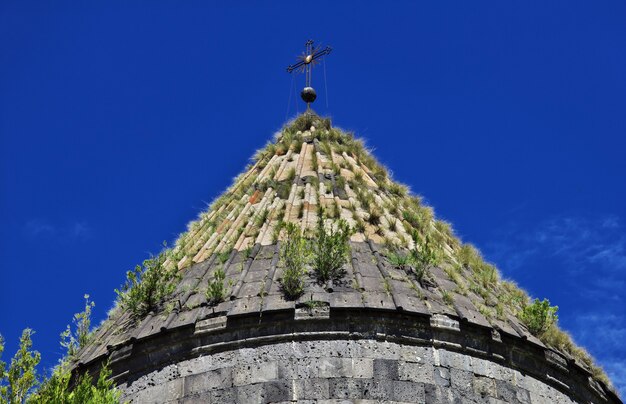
(277, 391)
(369, 269)
(407, 392)
(185, 318)
(385, 369)
(255, 276)
(344, 388)
(468, 312)
(245, 305)
(346, 300)
(261, 264)
(373, 284)
(215, 379)
(276, 302)
(378, 300)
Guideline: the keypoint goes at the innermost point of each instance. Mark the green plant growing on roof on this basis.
(75, 340)
(487, 275)
(283, 189)
(325, 146)
(469, 256)
(294, 256)
(297, 145)
(148, 285)
(340, 183)
(365, 199)
(291, 174)
(358, 176)
(393, 224)
(397, 189)
(539, 316)
(359, 226)
(224, 255)
(331, 249)
(399, 258)
(379, 173)
(314, 304)
(424, 255)
(562, 341)
(374, 215)
(261, 218)
(387, 286)
(216, 288)
(447, 297)
(335, 212)
(314, 163)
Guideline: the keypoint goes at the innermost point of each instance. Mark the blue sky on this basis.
(119, 122)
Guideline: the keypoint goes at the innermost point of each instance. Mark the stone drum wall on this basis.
(340, 371)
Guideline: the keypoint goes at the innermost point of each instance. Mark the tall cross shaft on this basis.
(305, 65)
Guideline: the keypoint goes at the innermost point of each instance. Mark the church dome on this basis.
(405, 313)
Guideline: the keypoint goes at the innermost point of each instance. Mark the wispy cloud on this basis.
(590, 253)
(68, 231)
(579, 242)
(39, 228)
(608, 345)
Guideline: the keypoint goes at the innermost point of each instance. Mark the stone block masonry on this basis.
(364, 371)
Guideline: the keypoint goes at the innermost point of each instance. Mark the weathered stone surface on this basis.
(385, 369)
(214, 379)
(311, 389)
(485, 386)
(338, 370)
(416, 372)
(255, 373)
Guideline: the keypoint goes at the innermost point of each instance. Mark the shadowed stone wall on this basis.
(335, 371)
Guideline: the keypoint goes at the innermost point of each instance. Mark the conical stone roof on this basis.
(310, 170)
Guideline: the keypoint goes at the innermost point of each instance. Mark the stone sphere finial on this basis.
(308, 94)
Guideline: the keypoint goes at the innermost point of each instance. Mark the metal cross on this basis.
(305, 64)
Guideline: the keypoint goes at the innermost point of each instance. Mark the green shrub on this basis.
(56, 389)
(539, 316)
(17, 384)
(148, 285)
(216, 288)
(2, 368)
(21, 378)
(73, 341)
(294, 257)
(330, 249)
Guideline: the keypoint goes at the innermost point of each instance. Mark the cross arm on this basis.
(321, 53)
(315, 56)
(291, 68)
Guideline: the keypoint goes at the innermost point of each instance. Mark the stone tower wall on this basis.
(370, 337)
(335, 371)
